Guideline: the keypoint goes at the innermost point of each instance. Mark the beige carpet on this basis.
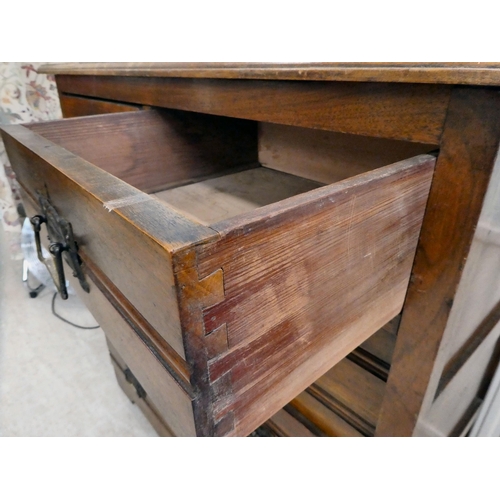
(55, 379)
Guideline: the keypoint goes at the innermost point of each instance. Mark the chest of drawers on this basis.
(245, 229)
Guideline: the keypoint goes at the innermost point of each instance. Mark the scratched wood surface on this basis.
(247, 291)
(291, 311)
(344, 402)
(462, 73)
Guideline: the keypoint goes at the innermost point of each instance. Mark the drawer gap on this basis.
(345, 401)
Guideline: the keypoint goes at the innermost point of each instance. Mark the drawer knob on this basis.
(61, 239)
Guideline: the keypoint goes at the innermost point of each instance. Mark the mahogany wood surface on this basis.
(398, 101)
(462, 73)
(143, 403)
(410, 112)
(138, 237)
(352, 392)
(468, 151)
(283, 289)
(284, 425)
(313, 413)
(164, 383)
(326, 156)
(153, 149)
(220, 198)
(73, 106)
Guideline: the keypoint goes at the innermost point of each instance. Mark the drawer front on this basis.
(232, 320)
(141, 400)
(170, 399)
(114, 224)
(133, 345)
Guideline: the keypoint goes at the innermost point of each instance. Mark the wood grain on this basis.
(172, 402)
(392, 110)
(73, 106)
(413, 113)
(284, 425)
(229, 195)
(290, 310)
(468, 151)
(144, 404)
(457, 73)
(195, 293)
(324, 419)
(153, 149)
(353, 393)
(346, 400)
(383, 342)
(138, 238)
(375, 353)
(328, 157)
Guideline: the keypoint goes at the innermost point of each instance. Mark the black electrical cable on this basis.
(65, 320)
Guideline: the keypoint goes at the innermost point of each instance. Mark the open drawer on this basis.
(226, 287)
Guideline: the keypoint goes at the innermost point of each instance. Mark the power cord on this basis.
(65, 320)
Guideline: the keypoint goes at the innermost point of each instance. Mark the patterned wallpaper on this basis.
(25, 96)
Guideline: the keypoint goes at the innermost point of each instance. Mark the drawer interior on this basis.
(308, 251)
(212, 200)
(211, 168)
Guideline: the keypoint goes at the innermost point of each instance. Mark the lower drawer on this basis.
(136, 393)
(346, 400)
(227, 288)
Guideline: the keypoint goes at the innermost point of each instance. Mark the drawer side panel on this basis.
(307, 280)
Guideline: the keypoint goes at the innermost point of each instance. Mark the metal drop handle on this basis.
(61, 241)
(55, 266)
